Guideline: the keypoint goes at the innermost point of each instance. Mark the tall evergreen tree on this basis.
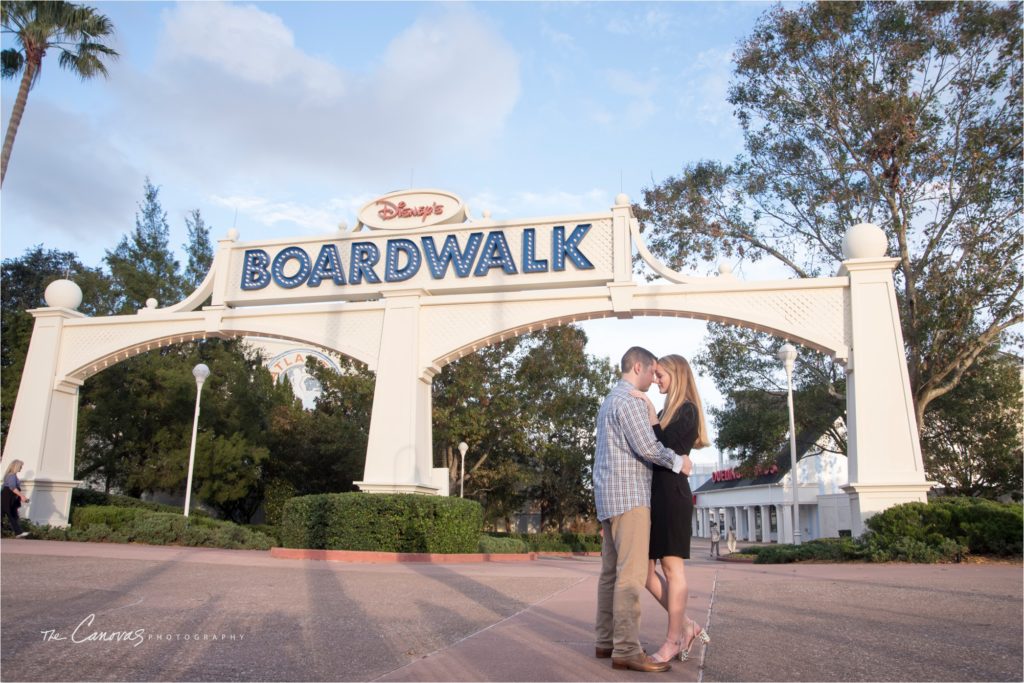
(198, 248)
(142, 265)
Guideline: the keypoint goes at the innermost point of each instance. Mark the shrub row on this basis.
(499, 544)
(942, 530)
(981, 527)
(82, 497)
(383, 522)
(137, 525)
(554, 542)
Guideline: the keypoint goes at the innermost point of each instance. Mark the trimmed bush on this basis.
(942, 530)
(497, 544)
(820, 550)
(83, 497)
(974, 525)
(554, 542)
(403, 523)
(137, 525)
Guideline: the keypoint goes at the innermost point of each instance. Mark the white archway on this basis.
(424, 286)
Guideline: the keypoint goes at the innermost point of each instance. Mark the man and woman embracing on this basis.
(645, 507)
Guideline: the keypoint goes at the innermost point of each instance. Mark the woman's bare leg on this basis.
(672, 592)
(656, 584)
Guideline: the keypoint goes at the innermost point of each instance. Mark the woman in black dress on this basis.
(680, 427)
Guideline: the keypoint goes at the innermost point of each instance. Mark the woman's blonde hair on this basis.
(14, 467)
(682, 388)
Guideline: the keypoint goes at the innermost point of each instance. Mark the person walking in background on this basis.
(681, 427)
(626, 449)
(730, 540)
(11, 497)
(715, 538)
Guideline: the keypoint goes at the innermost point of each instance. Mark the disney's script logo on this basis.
(391, 210)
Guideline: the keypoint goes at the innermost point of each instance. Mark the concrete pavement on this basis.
(79, 611)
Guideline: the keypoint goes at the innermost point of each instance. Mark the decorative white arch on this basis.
(424, 286)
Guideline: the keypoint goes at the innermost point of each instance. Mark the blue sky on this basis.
(292, 115)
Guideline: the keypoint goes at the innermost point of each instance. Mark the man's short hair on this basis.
(637, 354)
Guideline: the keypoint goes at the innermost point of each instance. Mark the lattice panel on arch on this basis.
(95, 344)
(448, 330)
(816, 315)
(351, 332)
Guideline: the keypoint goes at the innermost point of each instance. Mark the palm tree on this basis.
(77, 31)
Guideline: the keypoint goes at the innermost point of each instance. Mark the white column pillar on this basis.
(884, 452)
(399, 453)
(766, 521)
(44, 422)
(751, 524)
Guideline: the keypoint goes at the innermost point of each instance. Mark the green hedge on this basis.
(403, 523)
(497, 544)
(137, 525)
(82, 497)
(554, 542)
(982, 527)
(942, 530)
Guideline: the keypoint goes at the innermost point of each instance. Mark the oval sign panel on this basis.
(411, 209)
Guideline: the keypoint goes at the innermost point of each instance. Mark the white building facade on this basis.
(760, 508)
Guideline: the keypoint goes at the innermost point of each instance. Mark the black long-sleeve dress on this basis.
(671, 498)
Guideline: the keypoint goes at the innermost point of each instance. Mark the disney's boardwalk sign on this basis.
(419, 283)
(422, 248)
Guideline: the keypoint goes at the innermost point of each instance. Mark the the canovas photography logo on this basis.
(89, 631)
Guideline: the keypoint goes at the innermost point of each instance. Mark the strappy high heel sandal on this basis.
(679, 649)
(698, 634)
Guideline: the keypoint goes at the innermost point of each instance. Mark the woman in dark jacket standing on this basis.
(680, 426)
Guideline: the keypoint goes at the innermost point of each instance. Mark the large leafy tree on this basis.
(973, 441)
(526, 407)
(907, 115)
(77, 32)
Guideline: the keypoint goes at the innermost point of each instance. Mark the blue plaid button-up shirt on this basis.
(626, 446)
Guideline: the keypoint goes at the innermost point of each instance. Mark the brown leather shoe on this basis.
(640, 662)
(602, 652)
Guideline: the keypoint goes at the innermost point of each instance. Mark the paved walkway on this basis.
(78, 611)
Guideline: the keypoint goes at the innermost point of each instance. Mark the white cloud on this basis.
(708, 87)
(301, 217)
(637, 95)
(247, 43)
(653, 22)
(60, 164)
(260, 110)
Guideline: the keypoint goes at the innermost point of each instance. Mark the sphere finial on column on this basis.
(865, 240)
(63, 294)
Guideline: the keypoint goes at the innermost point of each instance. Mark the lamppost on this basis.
(463, 447)
(200, 372)
(787, 354)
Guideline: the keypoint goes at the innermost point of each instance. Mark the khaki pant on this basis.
(624, 556)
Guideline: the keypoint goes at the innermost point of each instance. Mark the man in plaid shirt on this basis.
(626, 446)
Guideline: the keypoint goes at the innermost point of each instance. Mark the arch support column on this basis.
(44, 422)
(885, 461)
(399, 450)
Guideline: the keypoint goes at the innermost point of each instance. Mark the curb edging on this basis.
(377, 557)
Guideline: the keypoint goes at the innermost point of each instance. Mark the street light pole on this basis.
(463, 447)
(787, 354)
(200, 372)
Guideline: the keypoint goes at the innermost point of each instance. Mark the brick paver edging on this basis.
(373, 557)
